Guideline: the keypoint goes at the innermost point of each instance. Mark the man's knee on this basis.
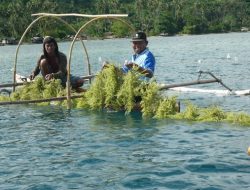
(80, 82)
(43, 63)
(44, 67)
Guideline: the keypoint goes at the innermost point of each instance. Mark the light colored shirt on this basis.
(145, 59)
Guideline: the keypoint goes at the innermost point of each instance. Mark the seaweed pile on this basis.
(111, 89)
(39, 89)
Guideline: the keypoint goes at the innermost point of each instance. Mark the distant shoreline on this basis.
(113, 38)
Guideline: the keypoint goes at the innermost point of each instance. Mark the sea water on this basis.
(49, 147)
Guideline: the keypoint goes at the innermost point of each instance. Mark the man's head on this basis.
(140, 42)
(49, 44)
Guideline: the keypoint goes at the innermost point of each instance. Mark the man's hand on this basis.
(105, 64)
(129, 64)
(32, 76)
(49, 76)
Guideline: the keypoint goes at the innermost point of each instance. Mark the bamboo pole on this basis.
(12, 84)
(80, 15)
(38, 101)
(17, 50)
(167, 86)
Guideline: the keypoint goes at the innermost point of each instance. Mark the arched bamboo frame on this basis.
(57, 16)
(72, 44)
(28, 28)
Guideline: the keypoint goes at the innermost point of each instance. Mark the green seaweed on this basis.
(95, 96)
(151, 98)
(113, 80)
(128, 91)
(212, 113)
(39, 89)
(167, 108)
(191, 112)
(240, 118)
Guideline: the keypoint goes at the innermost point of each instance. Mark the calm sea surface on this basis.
(48, 147)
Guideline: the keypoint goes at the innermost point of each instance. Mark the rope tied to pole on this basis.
(213, 76)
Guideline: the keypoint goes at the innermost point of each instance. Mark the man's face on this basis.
(50, 47)
(139, 46)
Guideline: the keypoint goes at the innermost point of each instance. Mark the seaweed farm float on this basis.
(111, 89)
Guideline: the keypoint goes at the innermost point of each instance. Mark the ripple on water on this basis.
(90, 161)
(40, 187)
(217, 168)
(152, 183)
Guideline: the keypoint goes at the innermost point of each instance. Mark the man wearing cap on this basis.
(142, 60)
(53, 64)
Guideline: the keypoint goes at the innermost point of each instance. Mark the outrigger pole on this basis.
(167, 86)
(198, 81)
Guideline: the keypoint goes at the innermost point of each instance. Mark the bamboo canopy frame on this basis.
(58, 17)
(27, 29)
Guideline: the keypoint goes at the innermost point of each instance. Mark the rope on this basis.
(218, 80)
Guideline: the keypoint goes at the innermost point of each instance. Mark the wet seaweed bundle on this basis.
(38, 89)
(115, 90)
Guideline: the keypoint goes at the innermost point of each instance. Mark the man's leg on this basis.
(45, 68)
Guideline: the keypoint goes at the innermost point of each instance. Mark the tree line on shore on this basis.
(168, 17)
